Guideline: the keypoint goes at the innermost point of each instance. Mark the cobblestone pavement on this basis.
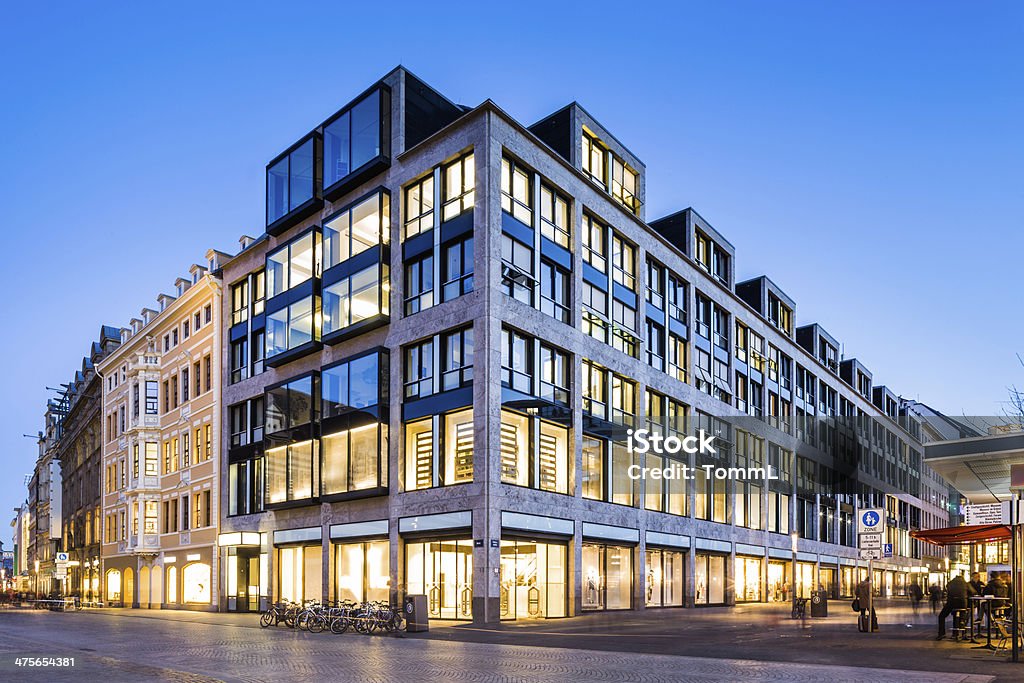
(114, 647)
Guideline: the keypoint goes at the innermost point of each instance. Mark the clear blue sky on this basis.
(866, 155)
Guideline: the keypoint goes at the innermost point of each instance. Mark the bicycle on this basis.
(279, 612)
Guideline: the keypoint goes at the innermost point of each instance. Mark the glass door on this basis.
(532, 580)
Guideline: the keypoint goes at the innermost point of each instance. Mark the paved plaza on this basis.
(747, 643)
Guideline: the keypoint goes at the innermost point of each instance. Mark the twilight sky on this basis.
(867, 156)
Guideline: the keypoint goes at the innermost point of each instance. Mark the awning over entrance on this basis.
(978, 533)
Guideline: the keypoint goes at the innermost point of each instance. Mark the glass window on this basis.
(655, 285)
(517, 269)
(419, 284)
(356, 229)
(516, 192)
(593, 159)
(607, 577)
(291, 327)
(457, 359)
(443, 571)
(239, 360)
(457, 268)
(625, 185)
(363, 571)
(458, 447)
(459, 183)
(532, 580)
(655, 345)
(419, 455)
(352, 459)
(353, 139)
(360, 296)
(419, 369)
(595, 245)
(677, 357)
(554, 374)
(352, 385)
(419, 207)
(620, 483)
(709, 574)
(516, 361)
(554, 216)
(595, 382)
(554, 291)
(677, 298)
(240, 302)
(291, 405)
(515, 448)
(593, 467)
(623, 400)
(664, 577)
(623, 262)
(290, 182)
(293, 264)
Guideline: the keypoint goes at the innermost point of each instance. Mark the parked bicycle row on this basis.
(336, 617)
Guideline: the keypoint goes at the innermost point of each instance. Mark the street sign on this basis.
(870, 541)
(60, 573)
(887, 550)
(991, 513)
(61, 558)
(870, 521)
(870, 554)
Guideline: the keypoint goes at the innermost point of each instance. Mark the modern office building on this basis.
(78, 448)
(437, 346)
(161, 457)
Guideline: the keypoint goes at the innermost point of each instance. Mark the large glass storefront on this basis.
(827, 580)
(443, 571)
(748, 579)
(663, 574)
(607, 576)
(362, 570)
(847, 584)
(533, 579)
(709, 575)
(196, 578)
(804, 579)
(779, 581)
(300, 573)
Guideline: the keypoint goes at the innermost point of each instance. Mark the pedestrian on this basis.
(998, 588)
(958, 594)
(863, 599)
(979, 589)
(934, 595)
(916, 594)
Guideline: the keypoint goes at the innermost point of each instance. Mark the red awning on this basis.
(978, 533)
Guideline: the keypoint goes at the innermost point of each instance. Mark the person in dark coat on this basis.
(863, 597)
(916, 594)
(998, 588)
(958, 593)
(979, 589)
(934, 596)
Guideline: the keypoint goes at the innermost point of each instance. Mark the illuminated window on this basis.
(595, 244)
(293, 264)
(623, 262)
(363, 571)
(663, 582)
(625, 185)
(352, 459)
(352, 231)
(459, 184)
(595, 382)
(607, 574)
(538, 462)
(431, 463)
(593, 467)
(419, 207)
(594, 160)
(554, 216)
(516, 191)
(359, 297)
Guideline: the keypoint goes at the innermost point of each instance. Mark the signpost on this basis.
(869, 540)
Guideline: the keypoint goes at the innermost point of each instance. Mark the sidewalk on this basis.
(761, 632)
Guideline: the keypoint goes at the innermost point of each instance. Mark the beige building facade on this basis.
(161, 426)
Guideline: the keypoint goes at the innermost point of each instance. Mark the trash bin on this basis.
(819, 604)
(416, 619)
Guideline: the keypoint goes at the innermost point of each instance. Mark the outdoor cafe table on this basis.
(984, 601)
